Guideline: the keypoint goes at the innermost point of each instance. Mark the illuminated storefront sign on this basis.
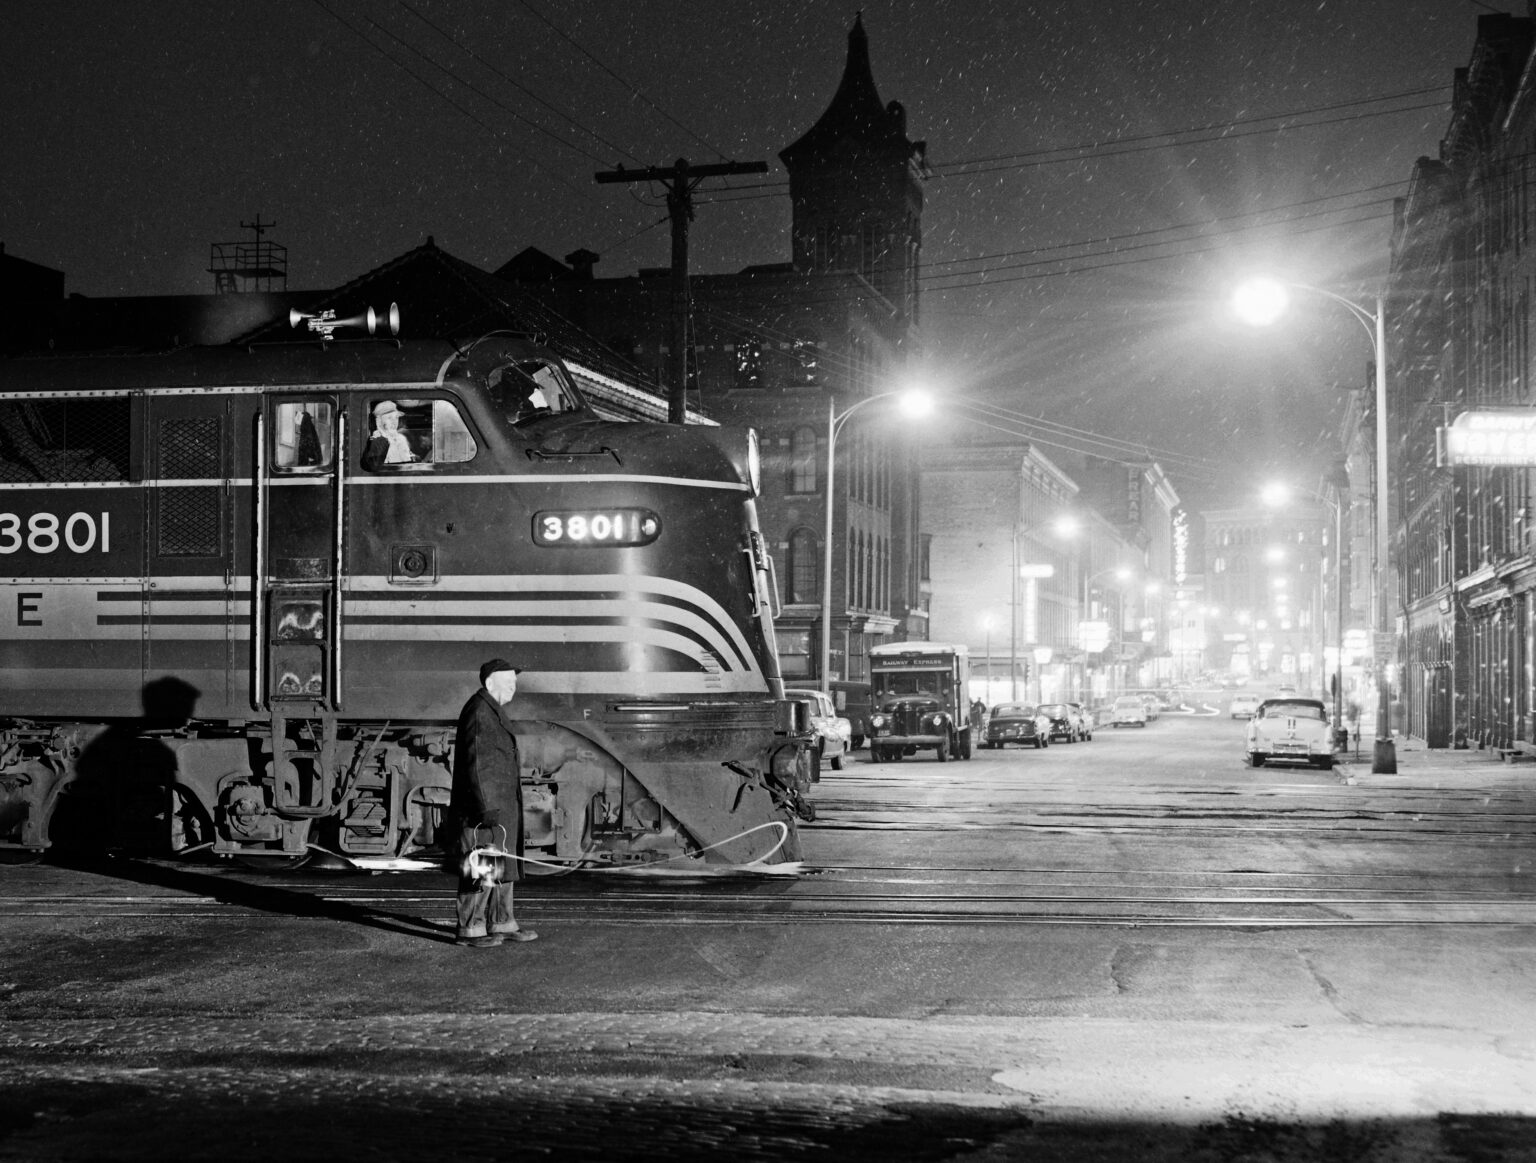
(1180, 547)
(1093, 636)
(1488, 436)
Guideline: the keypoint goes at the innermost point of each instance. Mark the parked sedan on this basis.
(834, 734)
(1290, 728)
(1019, 723)
(1066, 721)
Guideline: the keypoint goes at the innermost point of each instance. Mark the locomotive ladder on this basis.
(303, 723)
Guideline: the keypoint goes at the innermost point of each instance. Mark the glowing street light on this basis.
(914, 403)
(1261, 302)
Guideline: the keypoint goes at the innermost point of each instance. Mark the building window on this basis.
(807, 363)
(794, 652)
(800, 577)
(802, 460)
(749, 362)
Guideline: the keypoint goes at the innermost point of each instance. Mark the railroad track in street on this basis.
(890, 895)
(1156, 830)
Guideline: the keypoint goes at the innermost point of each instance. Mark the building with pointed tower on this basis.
(789, 347)
(856, 187)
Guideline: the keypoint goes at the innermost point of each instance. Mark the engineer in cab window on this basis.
(386, 443)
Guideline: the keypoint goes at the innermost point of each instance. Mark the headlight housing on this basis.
(754, 463)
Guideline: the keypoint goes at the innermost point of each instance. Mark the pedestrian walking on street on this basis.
(486, 812)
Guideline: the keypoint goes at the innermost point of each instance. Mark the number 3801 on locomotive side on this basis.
(244, 592)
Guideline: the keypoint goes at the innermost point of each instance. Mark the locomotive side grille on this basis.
(189, 521)
(189, 449)
(189, 514)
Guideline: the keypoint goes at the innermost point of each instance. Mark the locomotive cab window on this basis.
(303, 435)
(531, 389)
(406, 434)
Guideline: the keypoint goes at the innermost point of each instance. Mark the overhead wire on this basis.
(560, 32)
(1041, 430)
(1173, 227)
(980, 277)
(1113, 147)
(430, 87)
(1130, 447)
(516, 84)
(1070, 265)
(1035, 161)
(1209, 474)
(472, 87)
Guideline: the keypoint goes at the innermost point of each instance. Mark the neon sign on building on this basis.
(1488, 436)
(1180, 547)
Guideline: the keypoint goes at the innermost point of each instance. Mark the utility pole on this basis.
(680, 180)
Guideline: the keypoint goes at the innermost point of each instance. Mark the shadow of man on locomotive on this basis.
(121, 803)
(122, 799)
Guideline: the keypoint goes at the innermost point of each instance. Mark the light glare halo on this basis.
(1260, 301)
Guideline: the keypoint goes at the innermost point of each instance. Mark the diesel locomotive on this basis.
(244, 592)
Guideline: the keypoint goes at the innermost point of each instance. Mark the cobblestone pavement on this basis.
(685, 1086)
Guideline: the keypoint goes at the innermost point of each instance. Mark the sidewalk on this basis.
(1418, 764)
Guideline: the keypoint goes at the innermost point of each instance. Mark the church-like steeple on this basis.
(855, 113)
(855, 185)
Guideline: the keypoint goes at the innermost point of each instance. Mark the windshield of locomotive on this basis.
(918, 682)
(531, 389)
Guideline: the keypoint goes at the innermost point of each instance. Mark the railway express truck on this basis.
(919, 700)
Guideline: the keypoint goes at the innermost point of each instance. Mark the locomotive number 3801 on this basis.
(49, 533)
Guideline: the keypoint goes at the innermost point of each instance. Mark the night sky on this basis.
(1135, 136)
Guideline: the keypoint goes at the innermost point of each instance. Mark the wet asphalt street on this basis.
(1130, 948)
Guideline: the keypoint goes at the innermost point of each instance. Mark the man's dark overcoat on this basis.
(487, 784)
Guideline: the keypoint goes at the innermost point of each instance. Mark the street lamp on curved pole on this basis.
(1261, 302)
(915, 403)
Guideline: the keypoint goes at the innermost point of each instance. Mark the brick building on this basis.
(1460, 311)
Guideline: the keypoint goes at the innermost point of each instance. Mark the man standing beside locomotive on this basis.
(486, 812)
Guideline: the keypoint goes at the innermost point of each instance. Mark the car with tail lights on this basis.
(833, 733)
(1067, 722)
(1128, 711)
(1292, 729)
(1022, 723)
